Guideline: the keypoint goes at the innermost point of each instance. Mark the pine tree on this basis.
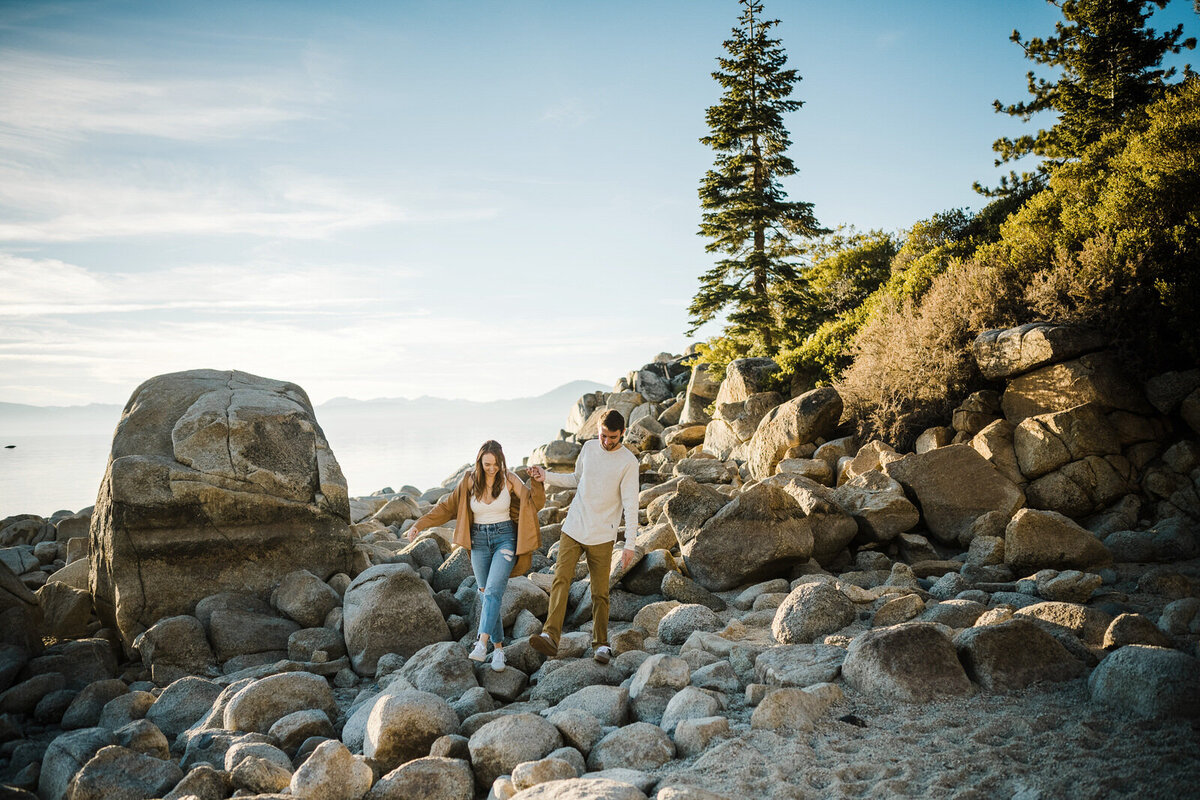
(746, 212)
(1110, 67)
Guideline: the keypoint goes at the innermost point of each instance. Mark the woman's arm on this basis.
(443, 512)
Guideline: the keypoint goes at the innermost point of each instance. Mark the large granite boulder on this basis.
(878, 505)
(801, 420)
(701, 391)
(217, 480)
(1148, 682)
(913, 661)
(761, 533)
(832, 527)
(1045, 442)
(1006, 353)
(1035, 540)
(734, 424)
(954, 486)
(389, 609)
(1092, 378)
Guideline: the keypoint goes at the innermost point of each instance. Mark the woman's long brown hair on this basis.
(480, 482)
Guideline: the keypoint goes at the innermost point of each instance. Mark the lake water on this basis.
(378, 444)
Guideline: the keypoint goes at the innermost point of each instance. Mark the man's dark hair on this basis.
(614, 421)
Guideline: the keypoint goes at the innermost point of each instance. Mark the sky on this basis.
(479, 199)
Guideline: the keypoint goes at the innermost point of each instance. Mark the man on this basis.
(606, 475)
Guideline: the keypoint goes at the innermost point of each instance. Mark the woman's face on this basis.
(490, 467)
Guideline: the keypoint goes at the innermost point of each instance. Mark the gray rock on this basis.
(811, 416)
(313, 644)
(402, 726)
(119, 772)
(761, 533)
(954, 613)
(832, 528)
(799, 665)
(305, 598)
(431, 776)
(914, 662)
(1046, 442)
(638, 746)
(878, 505)
(181, 704)
(264, 702)
(1037, 540)
(174, 647)
(1087, 624)
(1014, 654)
(84, 711)
(389, 609)
(331, 773)
(792, 711)
(1092, 378)
(573, 676)
(1149, 682)
(66, 756)
(204, 464)
(608, 704)
(954, 485)
(441, 668)
(503, 743)
(812, 610)
(579, 728)
(24, 697)
(66, 610)
(679, 623)
(1166, 541)
(693, 736)
(143, 736)
(124, 709)
(1005, 353)
(532, 773)
(254, 775)
(293, 730)
(236, 633)
(690, 702)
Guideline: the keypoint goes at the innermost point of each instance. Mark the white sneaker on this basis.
(479, 651)
(498, 660)
(603, 654)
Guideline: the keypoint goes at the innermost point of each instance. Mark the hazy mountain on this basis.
(60, 451)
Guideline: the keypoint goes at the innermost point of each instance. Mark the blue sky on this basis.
(462, 198)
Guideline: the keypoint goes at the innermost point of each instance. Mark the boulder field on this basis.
(1011, 610)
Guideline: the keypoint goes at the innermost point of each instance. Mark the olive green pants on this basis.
(599, 559)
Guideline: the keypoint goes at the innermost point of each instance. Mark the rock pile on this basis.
(784, 572)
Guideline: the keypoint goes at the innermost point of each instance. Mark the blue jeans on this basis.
(493, 553)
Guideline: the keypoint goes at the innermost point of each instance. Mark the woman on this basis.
(496, 520)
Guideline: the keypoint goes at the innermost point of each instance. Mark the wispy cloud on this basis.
(164, 198)
(48, 101)
(53, 288)
(570, 113)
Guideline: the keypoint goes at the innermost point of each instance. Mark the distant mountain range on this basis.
(386, 441)
(103, 417)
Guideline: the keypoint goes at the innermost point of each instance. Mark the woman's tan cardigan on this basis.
(523, 510)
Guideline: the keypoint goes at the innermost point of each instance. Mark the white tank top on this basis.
(483, 513)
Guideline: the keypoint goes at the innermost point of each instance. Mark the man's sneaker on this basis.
(479, 651)
(603, 654)
(543, 645)
(498, 660)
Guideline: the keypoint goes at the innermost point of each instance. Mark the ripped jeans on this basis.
(493, 553)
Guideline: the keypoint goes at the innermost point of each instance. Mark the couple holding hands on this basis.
(496, 520)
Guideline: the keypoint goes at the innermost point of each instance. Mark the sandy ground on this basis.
(1049, 741)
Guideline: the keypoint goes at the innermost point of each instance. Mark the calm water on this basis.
(376, 447)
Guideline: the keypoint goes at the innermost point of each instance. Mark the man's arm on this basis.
(629, 501)
(565, 480)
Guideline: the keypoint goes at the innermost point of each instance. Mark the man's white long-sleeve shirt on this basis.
(606, 483)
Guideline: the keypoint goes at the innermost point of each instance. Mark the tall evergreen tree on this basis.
(1109, 62)
(746, 212)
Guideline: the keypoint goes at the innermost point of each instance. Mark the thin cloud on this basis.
(53, 288)
(50, 101)
(170, 199)
(569, 114)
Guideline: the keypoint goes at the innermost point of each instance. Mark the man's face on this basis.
(610, 440)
